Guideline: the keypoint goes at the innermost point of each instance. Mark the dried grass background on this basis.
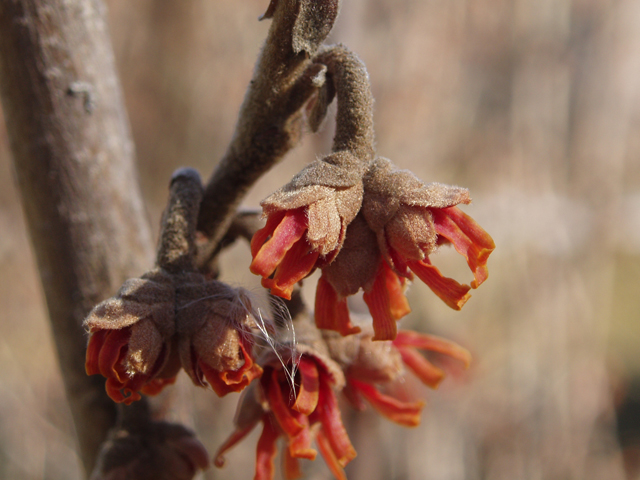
(533, 105)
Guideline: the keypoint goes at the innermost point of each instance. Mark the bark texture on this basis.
(74, 162)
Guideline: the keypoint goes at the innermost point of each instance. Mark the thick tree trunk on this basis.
(74, 160)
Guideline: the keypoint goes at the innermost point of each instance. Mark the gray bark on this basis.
(74, 162)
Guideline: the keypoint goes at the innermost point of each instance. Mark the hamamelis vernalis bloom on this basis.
(306, 221)
(310, 416)
(131, 341)
(373, 370)
(401, 223)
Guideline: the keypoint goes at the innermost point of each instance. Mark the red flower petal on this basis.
(403, 413)
(450, 292)
(387, 302)
(331, 311)
(298, 263)
(286, 234)
(290, 466)
(281, 411)
(427, 372)
(309, 392)
(112, 353)
(266, 451)
(300, 445)
(96, 342)
(261, 236)
(332, 426)
(432, 343)
(468, 238)
(329, 456)
(233, 380)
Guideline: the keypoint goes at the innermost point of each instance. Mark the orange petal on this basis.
(266, 451)
(232, 380)
(403, 413)
(427, 372)
(96, 342)
(290, 466)
(230, 442)
(450, 292)
(112, 353)
(432, 343)
(330, 457)
(286, 234)
(300, 445)
(387, 302)
(287, 421)
(331, 311)
(332, 426)
(298, 263)
(261, 236)
(468, 238)
(309, 392)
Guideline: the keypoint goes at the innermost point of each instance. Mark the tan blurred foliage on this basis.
(532, 105)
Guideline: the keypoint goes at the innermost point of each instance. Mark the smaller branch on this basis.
(270, 119)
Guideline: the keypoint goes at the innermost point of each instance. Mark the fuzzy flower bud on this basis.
(215, 340)
(131, 338)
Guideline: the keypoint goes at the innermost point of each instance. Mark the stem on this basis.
(177, 249)
(73, 157)
(270, 118)
(354, 120)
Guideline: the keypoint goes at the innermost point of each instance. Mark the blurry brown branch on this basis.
(73, 156)
(270, 119)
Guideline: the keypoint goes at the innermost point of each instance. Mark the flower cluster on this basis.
(173, 317)
(394, 223)
(294, 399)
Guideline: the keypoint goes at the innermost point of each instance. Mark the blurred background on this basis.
(532, 105)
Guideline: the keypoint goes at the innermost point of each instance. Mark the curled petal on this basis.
(285, 235)
(330, 456)
(403, 413)
(432, 343)
(428, 373)
(300, 445)
(281, 411)
(331, 311)
(450, 292)
(291, 466)
(332, 425)
(307, 399)
(297, 263)
(266, 451)
(468, 238)
(387, 303)
(224, 382)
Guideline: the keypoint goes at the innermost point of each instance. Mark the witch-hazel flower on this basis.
(375, 371)
(307, 219)
(173, 317)
(296, 400)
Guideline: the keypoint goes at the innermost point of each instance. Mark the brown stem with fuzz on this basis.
(73, 158)
(270, 119)
(177, 249)
(354, 121)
